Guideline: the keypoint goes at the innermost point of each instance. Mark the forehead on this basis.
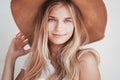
(60, 11)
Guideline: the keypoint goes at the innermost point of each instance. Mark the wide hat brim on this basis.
(94, 15)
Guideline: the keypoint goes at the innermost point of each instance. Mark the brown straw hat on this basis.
(25, 13)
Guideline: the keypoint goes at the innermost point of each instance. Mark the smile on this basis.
(58, 35)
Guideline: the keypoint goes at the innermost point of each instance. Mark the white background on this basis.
(108, 48)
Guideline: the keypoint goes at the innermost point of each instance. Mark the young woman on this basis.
(56, 52)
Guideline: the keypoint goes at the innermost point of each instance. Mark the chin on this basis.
(59, 42)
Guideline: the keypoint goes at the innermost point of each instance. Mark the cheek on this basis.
(69, 31)
(51, 27)
(70, 28)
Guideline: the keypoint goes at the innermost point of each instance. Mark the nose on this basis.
(59, 26)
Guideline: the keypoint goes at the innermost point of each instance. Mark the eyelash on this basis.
(51, 20)
(66, 21)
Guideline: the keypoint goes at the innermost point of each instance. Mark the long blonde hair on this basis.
(67, 62)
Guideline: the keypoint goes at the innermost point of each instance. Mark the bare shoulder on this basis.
(89, 55)
(88, 65)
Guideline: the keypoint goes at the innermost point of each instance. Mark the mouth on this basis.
(58, 35)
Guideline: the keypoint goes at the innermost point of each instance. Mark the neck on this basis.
(54, 49)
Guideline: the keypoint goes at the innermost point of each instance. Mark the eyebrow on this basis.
(65, 18)
(51, 16)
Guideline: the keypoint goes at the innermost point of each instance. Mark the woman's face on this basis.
(60, 25)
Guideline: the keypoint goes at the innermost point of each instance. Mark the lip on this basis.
(58, 35)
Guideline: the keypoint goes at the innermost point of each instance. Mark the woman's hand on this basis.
(17, 45)
(16, 49)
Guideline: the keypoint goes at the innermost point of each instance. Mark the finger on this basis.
(18, 38)
(25, 42)
(18, 34)
(23, 37)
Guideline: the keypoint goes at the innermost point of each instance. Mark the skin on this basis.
(16, 50)
(60, 30)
